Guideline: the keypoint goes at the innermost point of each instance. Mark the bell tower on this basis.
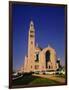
(31, 46)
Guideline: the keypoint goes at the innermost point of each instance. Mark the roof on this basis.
(38, 48)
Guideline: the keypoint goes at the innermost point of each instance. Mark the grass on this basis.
(33, 80)
(43, 81)
(23, 80)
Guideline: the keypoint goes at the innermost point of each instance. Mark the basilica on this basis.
(39, 59)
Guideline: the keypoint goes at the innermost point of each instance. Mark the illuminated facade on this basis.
(39, 59)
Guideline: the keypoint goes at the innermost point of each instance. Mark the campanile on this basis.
(31, 46)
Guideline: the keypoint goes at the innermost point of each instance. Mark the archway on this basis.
(47, 57)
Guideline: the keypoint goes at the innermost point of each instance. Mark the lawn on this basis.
(33, 80)
(43, 81)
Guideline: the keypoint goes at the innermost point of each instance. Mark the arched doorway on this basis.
(47, 57)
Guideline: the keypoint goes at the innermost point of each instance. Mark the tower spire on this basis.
(31, 25)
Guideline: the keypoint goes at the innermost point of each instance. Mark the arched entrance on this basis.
(47, 57)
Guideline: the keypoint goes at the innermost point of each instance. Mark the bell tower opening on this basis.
(47, 57)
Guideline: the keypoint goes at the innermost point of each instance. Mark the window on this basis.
(31, 42)
(47, 56)
(31, 66)
(37, 57)
(49, 66)
(31, 35)
(31, 25)
(31, 31)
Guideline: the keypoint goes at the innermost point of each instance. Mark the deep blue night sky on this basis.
(49, 29)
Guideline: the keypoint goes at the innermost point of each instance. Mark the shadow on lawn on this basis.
(29, 80)
(24, 80)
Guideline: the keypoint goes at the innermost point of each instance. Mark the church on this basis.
(38, 59)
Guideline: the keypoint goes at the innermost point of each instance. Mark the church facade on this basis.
(39, 59)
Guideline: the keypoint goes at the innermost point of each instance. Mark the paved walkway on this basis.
(17, 77)
(52, 77)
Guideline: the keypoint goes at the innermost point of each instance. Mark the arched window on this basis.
(47, 56)
(37, 57)
(49, 66)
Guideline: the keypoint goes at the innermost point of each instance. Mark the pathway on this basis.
(52, 77)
